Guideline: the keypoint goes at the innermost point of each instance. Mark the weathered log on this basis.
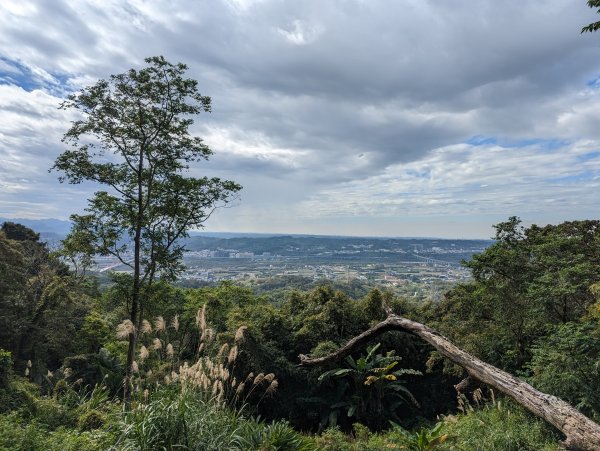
(580, 432)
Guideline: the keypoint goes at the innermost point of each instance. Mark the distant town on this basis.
(416, 267)
(419, 268)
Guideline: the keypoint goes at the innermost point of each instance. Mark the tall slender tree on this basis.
(133, 139)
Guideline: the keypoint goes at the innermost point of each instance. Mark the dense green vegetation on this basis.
(210, 361)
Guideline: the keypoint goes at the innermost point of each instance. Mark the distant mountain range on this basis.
(55, 229)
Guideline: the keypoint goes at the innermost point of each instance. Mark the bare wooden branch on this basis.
(581, 432)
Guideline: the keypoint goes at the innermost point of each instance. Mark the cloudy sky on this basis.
(345, 117)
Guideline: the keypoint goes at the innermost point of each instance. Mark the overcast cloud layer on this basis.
(346, 117)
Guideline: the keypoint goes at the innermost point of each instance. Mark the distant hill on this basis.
(50, 227)
(53, 230)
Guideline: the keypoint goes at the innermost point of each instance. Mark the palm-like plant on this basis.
(373, 388)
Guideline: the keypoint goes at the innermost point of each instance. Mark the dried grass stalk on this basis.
(239, 334)
(125, 328)
(272, 388)
(146, 327)
(223, 350)
(233, 353)
(144, 353)
(258, 379)
(269, 377)
(159, 324)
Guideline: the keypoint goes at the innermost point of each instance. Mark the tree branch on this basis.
(580, 431)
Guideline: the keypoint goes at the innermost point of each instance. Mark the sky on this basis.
(341, 117)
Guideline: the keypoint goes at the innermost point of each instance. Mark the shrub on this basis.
(18, 435)
(5, 367)
(173, 418)
(90, 420)
(565, 364)
(274, 436)
(49, 412)
(498, 426)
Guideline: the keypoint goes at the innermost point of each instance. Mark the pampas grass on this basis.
(212, 374)
(125, 329)
(159, 324)
(146, 327)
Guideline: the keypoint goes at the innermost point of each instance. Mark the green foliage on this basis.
(333, 439)
(90, 420)
(498, 426)
(17, 434)
(93, 369)
(51, 413)
(41, 303)
(594, 26)
(270, 437)
(566, 364)
(492, 427)
(94, 333)
(143, 118)
(424, 439)
(19, 232)
(372, 389)
(5, 367)
(173, 418)
(528, 280)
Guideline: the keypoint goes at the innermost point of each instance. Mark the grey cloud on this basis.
(324, 94)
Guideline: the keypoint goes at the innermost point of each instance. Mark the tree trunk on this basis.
(135, 292)
(581, 432)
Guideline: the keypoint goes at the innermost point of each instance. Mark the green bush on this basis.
(333, 439)
(178, 419)
(565, 364)
(5, 367)
(19, 435)
(274, 436)
(498, 426)
(90, 420)
(52, 414)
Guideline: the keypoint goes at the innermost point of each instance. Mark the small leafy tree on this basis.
(133, 139)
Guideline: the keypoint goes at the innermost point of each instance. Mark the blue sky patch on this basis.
(588, 156)
(544, 143)
(573, 178)
(480, 140)
(419, 174)
(593, 83)
(15, 73)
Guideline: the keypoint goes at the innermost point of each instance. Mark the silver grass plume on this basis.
(144, 353)
(223, 350)
(125, 328)
(159, 324)
(269, 377)
(258, 379)
(239, 334)
(146, 327)
(233, 353)
(272, 387)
